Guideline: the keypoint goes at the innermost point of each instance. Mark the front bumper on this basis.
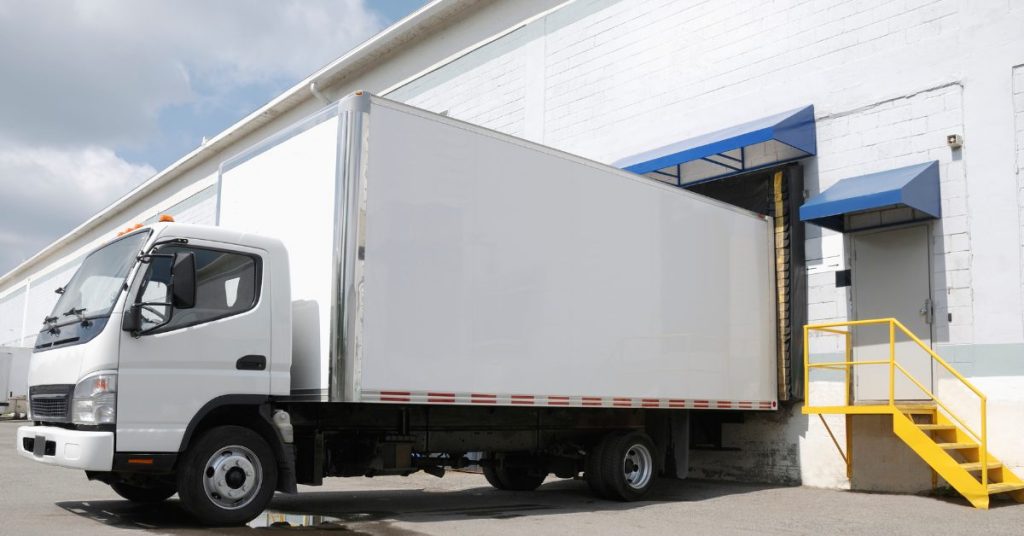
(74, 449)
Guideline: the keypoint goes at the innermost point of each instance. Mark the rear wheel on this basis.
(154, 493)
(622, 467)
(513, 477)
(228, 476)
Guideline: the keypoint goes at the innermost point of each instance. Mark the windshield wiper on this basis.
(51, 325)
(80, 313)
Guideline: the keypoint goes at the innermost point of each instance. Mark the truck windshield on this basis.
(97, 283)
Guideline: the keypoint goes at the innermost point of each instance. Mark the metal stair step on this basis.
(1003, 487)
(976, 466)
(917, 409)
(936, 426)
(957, 446)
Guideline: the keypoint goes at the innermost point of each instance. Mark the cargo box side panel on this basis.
(286, 188)
(498, 271)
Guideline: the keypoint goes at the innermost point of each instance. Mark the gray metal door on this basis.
(891, 278)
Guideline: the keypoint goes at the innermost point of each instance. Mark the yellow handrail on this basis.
(848, 364)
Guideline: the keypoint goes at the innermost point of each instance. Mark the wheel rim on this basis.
(232, 477)
(637, 466)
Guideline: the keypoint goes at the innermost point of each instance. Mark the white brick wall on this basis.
(1018, 123)
(489, 89)
(199, 209)
(12, 308)
(890, 134)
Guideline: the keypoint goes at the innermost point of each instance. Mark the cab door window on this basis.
(227, 283)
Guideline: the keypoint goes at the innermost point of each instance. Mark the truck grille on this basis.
(50, 402)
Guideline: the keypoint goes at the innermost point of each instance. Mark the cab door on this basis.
(184, 359)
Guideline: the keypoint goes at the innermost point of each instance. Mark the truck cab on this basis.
(159, 331)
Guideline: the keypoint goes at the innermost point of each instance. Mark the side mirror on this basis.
(132, 321)
(183, 279)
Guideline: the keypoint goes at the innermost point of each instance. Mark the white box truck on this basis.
(389, 289)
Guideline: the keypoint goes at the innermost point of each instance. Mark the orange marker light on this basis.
(137, 226)
(166, 218)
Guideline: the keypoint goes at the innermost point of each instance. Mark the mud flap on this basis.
(670, 431)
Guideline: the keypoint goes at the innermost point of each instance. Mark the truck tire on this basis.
(158, 492)
(626, 469)
(592, 468)
(228, 476)
(513, 478)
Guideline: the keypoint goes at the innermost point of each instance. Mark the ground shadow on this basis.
(372, 511)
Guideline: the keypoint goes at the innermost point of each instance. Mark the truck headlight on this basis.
(95, 400)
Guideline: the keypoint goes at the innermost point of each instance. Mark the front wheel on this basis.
(228, 476)
(150, 493)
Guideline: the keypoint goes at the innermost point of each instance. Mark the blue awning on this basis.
(756, 144)
(915, 187)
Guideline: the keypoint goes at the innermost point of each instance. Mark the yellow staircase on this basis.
(953, 450)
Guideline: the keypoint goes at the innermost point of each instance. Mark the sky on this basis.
(96, 96)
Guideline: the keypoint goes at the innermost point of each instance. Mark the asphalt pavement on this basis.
(38, 499)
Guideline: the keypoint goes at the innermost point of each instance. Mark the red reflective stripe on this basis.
(525, 400)
(558, 401)
(567, 400)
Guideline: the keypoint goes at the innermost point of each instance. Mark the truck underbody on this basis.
(339, 439)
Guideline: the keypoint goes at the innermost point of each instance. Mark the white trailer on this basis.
(389, 289)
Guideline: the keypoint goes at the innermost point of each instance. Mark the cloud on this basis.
(95, 92)
(46, 189)
(100, 71)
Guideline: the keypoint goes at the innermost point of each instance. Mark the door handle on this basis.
(251, 362)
